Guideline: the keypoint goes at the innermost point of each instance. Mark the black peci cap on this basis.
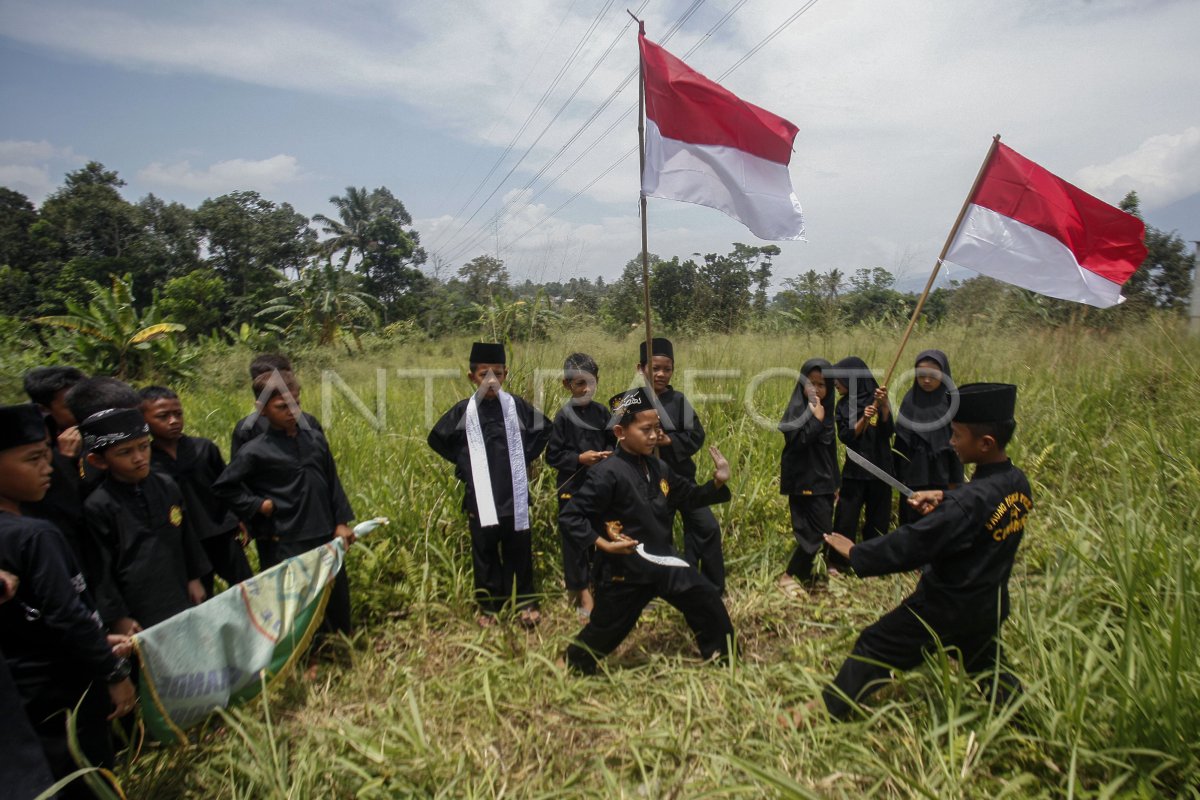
(487, 353)
(20, 425)
(630, 403)
(662, 347)
(112, 426)
(986, 402)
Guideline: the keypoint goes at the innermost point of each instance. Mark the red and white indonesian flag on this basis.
(705, 145)
(1030, 228)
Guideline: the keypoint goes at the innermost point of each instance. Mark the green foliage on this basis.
(323, 306)
(194, 300)
(111, 337)
(1104, 633)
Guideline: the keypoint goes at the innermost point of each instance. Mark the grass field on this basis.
(1105, 631)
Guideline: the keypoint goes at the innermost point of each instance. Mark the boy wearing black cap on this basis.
(965, 543)
(635, 496)
(53, 641)
(287, 482)
(153, 560)
(682, 436)
(194, 463)
(491, 438)
(579, 440)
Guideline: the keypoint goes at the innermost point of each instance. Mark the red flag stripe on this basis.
(689, 107)
(1103, 239)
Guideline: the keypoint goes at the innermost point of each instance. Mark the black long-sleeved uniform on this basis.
(251, 426)
(53, 642)
(196, 466)
(680, 422)
(576, 430)
(297, 474)
(449, 440)
(966, 548)
(150, 554)
(637, 496)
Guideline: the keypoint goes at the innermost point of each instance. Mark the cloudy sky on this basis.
(486, 117)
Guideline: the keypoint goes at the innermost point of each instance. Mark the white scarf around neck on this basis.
(481, 476)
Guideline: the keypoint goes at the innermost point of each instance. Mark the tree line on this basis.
(240, 267)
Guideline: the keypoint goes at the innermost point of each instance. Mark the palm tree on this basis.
(353, 233)
(324, 304)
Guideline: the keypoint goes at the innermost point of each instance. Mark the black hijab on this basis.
(853, 372)
(921, 408)
(799, 401)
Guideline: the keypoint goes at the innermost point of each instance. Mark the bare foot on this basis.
(485, 620)
(802, 716)
(789, 586)
(530, 617)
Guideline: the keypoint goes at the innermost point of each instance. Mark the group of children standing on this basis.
(112, 519)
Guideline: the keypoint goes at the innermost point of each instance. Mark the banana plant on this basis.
(110, 336)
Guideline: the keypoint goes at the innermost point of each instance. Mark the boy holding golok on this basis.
(579, 439)
(194, 464)
(286, 480)
(682, 436)
(153, 561)
(635, 496)
(965, 542)
(491, 438)
(54, 644)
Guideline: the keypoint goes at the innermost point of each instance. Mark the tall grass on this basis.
(1105, 633)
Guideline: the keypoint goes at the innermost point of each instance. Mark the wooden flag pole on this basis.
(647, 370)
(962, 212)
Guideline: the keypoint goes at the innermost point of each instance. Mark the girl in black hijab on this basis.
(861, 399)
(925, 458)
(808, 471)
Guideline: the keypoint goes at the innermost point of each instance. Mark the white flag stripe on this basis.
(754, 191)
(1000, 247)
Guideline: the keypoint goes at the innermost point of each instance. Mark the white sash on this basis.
(481, 477)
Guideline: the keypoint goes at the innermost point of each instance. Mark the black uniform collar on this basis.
(984, 470)
(636, 460)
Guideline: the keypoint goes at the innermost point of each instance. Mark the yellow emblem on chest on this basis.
(613, 528)
(666, 487)
(175, 515)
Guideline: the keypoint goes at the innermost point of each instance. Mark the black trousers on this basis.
(48, 714)
(873, 499)
(337, 610)
(900, 640)
(577, 558)
(503, 561)
(24, 771)
(618, 606)
(812, 518)
(228, 560)
(702, 544)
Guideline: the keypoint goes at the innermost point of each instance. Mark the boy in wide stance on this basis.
(635, 496)
(965, 544)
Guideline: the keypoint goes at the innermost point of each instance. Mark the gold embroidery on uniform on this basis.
(176, 516)
(666, 487)
(1011, 510)
(613, 528)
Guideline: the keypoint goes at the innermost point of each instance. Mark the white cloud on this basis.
(1163, 169)
(32, 181)
(17, 151)
(237, 173)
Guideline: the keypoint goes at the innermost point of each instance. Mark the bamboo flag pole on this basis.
(962, 212)
(647, 370)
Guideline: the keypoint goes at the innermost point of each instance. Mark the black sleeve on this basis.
(845, 425)
(101, 526)
(230, 486)
(536, 431)
(686, 439)
(686, 494)
(447, 436)
(561, 453)
(63, 612)
(913, 545)
(596, 494)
